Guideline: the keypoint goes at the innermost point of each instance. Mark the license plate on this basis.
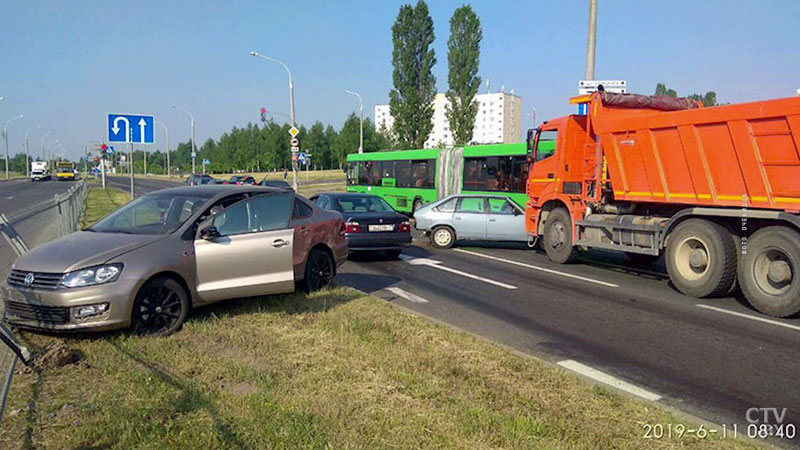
(381, 227)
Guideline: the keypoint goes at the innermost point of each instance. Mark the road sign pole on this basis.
(130, 165)
(103, 170)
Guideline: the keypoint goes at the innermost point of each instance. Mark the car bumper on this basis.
(52, 309)
(378, 241)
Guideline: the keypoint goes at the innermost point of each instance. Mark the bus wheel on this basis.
(768, 271)
(417, 205)
(443, 237)
(701, 258)
(557, 239)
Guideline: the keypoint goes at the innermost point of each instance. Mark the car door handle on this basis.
(492, 220)
(551, 175)
(458, 218)
(278, 243)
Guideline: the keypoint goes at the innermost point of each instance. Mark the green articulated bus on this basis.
(408, 179)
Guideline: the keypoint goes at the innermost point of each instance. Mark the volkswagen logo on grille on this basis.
(29, 279)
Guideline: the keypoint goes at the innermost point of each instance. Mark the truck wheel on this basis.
(443, 237)
(701, 258)
(557, 239)
(768, 273)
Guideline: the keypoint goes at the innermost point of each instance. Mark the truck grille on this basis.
(41, 280)
(55, 315)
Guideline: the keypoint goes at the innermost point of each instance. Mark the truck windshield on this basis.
(546, 144)
(150, 214)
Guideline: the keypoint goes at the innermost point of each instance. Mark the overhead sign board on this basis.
(586, 87)
(130, 128)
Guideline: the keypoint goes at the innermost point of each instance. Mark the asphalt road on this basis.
(20, 194)
(141, 185)
(609, 315)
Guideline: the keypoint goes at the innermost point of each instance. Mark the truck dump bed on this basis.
(736, 155)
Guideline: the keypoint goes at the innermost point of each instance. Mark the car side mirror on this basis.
(209, 233)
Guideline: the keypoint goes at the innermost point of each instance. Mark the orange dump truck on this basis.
(716, 189)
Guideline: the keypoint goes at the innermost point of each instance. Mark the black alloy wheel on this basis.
(161, 307)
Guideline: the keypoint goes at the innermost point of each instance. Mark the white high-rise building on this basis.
(499, 120)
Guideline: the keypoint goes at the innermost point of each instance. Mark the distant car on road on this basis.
(277, 184)
(371, 224)
(197, 180)
(241, 179)
(471, 217)
(148, 263)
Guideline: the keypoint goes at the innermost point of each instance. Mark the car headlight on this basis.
(91, 276)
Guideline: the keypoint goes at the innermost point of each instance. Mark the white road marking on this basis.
(413, 298)
(608, 379)
(541, 269)
(414, 261)
(748, 316)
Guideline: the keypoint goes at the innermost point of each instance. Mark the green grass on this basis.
(101, 201)
(334, 369)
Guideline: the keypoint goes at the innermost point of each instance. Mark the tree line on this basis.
(255, 147)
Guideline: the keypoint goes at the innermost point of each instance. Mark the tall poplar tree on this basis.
(463, 59)
(411, 100)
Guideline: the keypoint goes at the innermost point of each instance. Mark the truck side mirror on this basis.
(529, 139)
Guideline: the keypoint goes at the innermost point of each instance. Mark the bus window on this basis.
(352, 176)
(422, 173)
(374, 173)
(363, 173)
(474, 175)
(519, 173)
(387, 169)
(402, 174)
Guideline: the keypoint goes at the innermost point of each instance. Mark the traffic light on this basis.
(263, 114)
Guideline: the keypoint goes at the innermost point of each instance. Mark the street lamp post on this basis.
(291, 107)
(166, 134)
(194, 147)
(361, 125)
(5, 137)
(590, 46)
(27, 152)
(532, 114)
(43, 139)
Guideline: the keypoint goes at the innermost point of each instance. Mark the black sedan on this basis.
(371, 223)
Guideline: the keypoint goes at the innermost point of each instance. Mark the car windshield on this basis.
(150, 214)
(364, 203)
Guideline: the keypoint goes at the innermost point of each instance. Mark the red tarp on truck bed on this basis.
(659, 102)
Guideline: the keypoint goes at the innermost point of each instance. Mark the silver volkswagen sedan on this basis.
(148, 263)
(471, 217)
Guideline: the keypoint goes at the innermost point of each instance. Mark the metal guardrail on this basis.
(32, 226)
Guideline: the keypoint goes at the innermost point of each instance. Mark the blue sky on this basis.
(67, 64)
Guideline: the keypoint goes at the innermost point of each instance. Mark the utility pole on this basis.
(592, 40)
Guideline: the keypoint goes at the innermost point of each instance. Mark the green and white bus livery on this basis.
(408, 179)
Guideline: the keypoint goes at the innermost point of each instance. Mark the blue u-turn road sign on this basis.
(131, 128)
